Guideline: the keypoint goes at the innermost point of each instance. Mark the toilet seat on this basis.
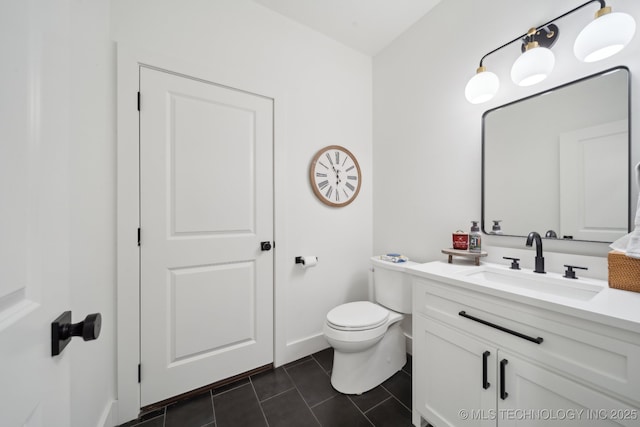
(357, 316)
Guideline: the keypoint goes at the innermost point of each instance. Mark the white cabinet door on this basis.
(449, 386)
(537, 396)
(206, 203)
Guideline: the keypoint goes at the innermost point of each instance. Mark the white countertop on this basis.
(614, 307)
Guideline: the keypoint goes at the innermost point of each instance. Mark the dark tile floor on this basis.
(295, 395)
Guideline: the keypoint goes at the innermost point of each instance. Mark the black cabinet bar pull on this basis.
(503, 391)
(537, 340)
(485, 383)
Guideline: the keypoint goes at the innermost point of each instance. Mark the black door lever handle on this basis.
(62, 330)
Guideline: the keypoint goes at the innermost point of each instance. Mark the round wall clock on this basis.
(335, 176)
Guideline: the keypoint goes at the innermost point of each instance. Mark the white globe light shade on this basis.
(604, 36)
(533, 66)
(481, 87)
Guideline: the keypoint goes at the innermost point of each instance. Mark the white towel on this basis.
(633, 246)
(620, 245)
(630, 243)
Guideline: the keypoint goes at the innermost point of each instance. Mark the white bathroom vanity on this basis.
(500, 347)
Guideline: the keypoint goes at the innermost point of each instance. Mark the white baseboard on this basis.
(301, 348)
(109, 416)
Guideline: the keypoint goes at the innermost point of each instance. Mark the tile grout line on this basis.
(144, 421)
(258, 400)
(318, 362)
(276, 395)
(367, 418)
(295, 386)
(320, 403)
(400, 402)
(227, 391)
(359, 410)
(313, 414)
(213, 407)
(396, 397)
(297, 362)
(378, 404)
(327, 373)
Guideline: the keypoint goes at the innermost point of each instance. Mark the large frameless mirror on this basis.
(558, 162)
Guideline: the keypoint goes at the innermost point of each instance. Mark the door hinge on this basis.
(138, 101)
(139, 373)
(138, 236)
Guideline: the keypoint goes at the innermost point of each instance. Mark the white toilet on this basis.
(367, 338)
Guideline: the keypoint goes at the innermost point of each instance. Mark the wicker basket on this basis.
(624, 272)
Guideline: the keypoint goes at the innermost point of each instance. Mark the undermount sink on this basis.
(578, 289)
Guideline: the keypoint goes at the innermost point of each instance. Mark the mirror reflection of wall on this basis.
(560, 161)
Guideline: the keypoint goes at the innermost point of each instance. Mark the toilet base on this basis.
(356, 373)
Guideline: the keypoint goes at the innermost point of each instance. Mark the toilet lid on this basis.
(357, 316)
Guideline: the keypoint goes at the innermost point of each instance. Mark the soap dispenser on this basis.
(496, 229)
(475, 238)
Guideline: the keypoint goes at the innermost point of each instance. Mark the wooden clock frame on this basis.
(318, 188)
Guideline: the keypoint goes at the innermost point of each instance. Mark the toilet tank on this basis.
(391, 285)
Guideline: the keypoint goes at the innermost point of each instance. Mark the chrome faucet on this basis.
(539, 258)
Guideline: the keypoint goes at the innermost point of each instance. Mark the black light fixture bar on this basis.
(602, 5)
(604, 36)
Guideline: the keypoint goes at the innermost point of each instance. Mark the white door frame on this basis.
(128, 213)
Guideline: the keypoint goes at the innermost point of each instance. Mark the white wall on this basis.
(427, 137)
(92, 201)
(323, 92)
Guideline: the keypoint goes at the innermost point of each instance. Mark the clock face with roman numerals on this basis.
(335, 176)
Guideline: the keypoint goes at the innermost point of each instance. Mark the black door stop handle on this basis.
(62, 330)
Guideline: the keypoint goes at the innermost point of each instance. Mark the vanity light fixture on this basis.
(536, 63)
(606, 35)
(482, 87)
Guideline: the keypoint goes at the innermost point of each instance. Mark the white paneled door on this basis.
(34, 211)
(594, 191)
(206, 207)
